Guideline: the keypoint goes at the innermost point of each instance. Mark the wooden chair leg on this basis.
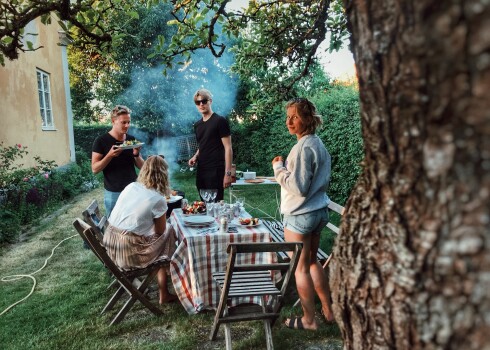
(267, 326)
(117, 295)
(135, 295)
(228, 336)
(268, 334)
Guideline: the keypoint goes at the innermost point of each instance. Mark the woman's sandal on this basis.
(295, 323)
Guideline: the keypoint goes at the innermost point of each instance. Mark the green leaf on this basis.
(134, 14)
(7, 40)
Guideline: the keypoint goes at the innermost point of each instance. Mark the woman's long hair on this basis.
(154, 175)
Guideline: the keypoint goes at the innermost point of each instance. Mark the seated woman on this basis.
(138, 233)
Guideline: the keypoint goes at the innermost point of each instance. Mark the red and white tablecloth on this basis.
(201, 252)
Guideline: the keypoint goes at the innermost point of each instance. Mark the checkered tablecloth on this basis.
(201, 252)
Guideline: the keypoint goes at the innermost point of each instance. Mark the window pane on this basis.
(49, 118)
(43, 117)
(39, 82)
(41, 99)
(47, 101)
(46, 82)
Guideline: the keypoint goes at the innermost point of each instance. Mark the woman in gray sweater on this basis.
(304, 178)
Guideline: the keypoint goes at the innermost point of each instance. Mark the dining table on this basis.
(202, 250)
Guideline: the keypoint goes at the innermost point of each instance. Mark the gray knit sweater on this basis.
(305, 176)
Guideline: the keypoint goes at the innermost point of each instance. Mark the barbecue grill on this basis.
(186, 147)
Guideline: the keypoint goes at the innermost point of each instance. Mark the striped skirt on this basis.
(130, 251)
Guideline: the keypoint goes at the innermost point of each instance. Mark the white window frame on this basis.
(45, 103)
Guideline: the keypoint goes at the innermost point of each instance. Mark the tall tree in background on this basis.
(411, 267)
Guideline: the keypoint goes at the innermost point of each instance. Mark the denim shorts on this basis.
(110, 199)
(308, 223)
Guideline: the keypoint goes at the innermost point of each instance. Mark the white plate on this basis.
(199, 220)
(194, 214)
(130, 146)
(249, 225)
(174, 199)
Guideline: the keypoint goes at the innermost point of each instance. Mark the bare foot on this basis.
(300, 323)
(169, 298)
(328, 315)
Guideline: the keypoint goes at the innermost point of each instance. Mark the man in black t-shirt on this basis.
(214, 153)
(118, 165)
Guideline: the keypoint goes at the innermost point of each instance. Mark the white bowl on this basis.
(249, 175)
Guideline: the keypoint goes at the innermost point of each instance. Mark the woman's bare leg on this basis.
(165, 295)
(320, 280)
(304, 282)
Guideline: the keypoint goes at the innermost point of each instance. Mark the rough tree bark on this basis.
(411, 267)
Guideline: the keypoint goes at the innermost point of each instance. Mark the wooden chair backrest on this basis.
(259, 247)
(94, 241)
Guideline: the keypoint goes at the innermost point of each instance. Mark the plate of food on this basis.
(195, 208)
(254, 181)
(249, 222)
(130, 144)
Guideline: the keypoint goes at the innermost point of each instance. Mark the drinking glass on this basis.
(212, 194)
(205, 194)
(241, 202)
(184, 203)
(208, 195)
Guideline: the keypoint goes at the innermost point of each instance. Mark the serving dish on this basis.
(248, 222)
(254, 181)
(174, 199)
(136, 145)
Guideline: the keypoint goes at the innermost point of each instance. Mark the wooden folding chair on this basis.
(128, 280)
(251, 280)
(92, 216)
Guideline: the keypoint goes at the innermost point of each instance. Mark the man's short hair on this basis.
(206, 94)
(120, 109)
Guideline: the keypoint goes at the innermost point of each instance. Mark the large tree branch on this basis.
(15, 17)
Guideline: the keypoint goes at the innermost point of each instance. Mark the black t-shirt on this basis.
(120, 171)
(208, 135)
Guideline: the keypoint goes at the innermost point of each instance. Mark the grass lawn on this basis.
(64, 310)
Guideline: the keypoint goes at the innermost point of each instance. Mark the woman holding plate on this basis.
(138, 233)
(304, 178)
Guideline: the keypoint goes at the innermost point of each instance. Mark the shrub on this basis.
(34, 191)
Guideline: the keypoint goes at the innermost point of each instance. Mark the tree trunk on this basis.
(411, 266)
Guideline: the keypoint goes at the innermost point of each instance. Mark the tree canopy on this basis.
(92, 22)
(278, 41)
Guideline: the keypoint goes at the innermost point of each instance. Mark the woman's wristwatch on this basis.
(228, 173)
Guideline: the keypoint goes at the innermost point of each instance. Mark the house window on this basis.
(44, 91)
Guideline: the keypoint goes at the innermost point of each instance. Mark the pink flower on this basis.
(46, 175)
(26, 179)
(19, 145)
